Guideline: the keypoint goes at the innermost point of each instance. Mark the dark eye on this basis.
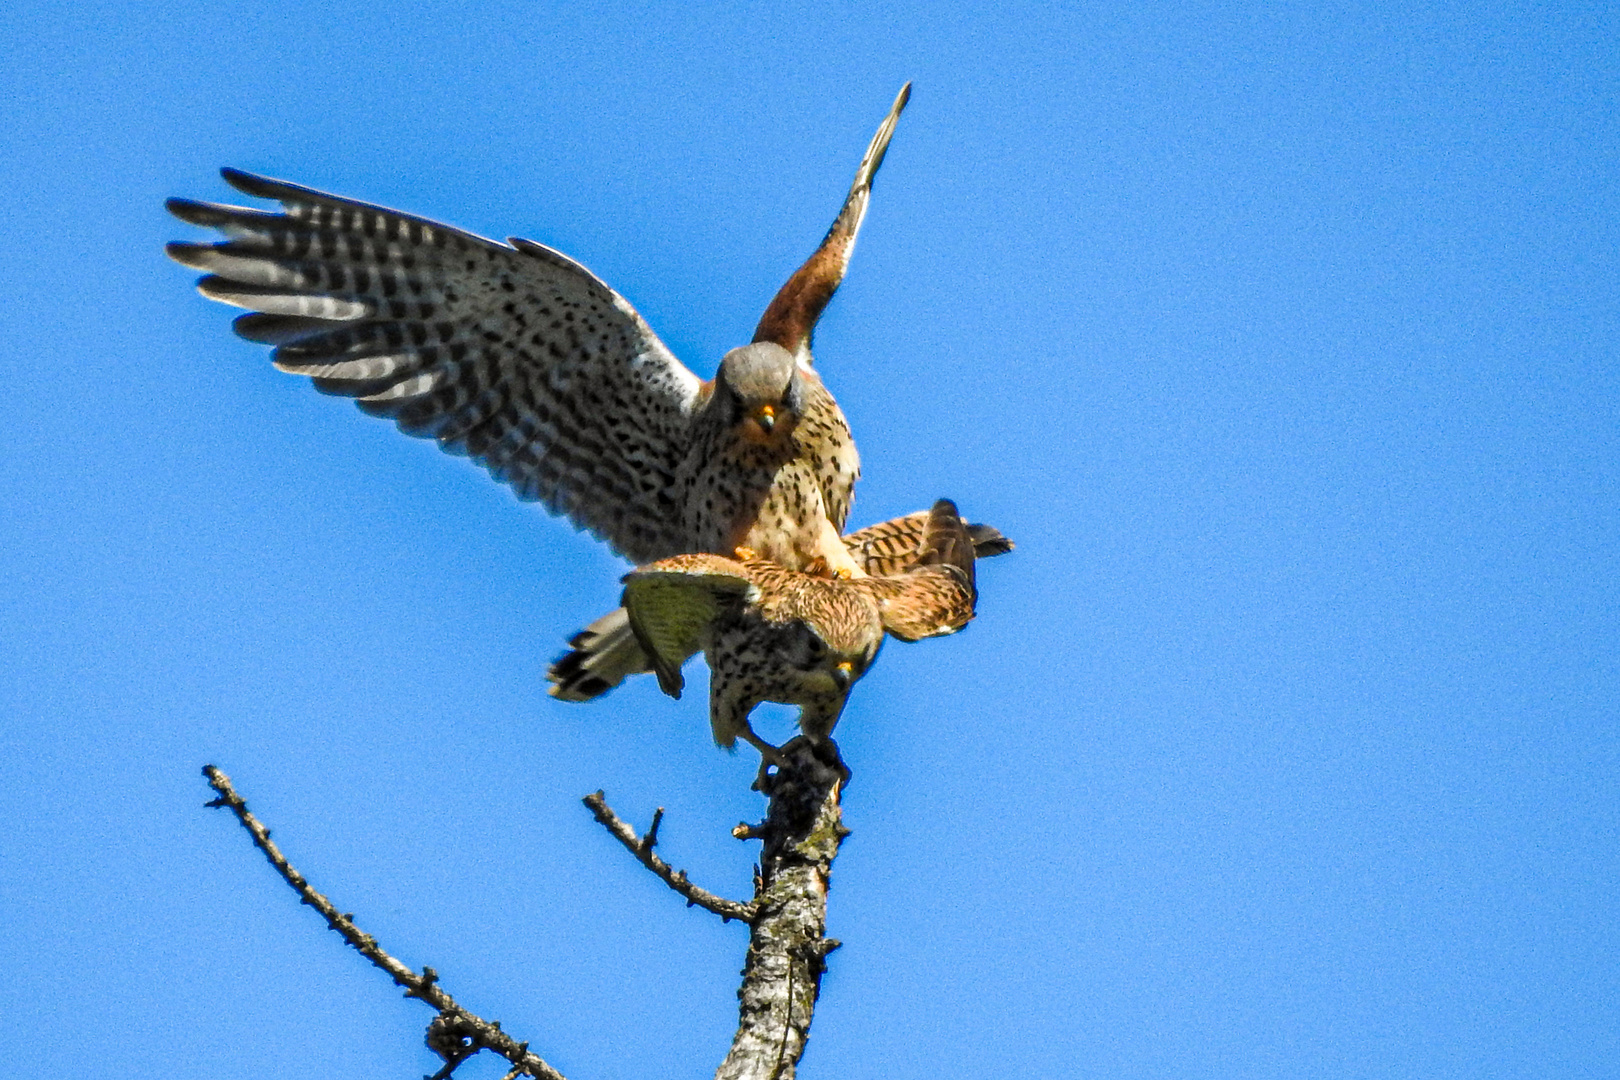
(818, 648)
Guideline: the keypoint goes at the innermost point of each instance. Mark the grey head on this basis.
(763, 383)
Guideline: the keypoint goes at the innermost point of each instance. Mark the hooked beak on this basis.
(844, 675)
(765, 417)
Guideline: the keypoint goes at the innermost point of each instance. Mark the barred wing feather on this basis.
(515, 356)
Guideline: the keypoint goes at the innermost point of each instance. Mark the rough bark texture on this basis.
(788, 946)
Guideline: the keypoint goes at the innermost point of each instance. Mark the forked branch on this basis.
(642, 848)
(787, 918)
(787, 944)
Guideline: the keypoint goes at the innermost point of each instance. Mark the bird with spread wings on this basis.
(520, 358)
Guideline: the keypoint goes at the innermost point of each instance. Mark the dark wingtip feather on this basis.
(988, 541)
(217, 215)
(946, 541)
(192, 255)
(269, 329)
(263, 187)
(880, 143)
(193, 212)
(181, 208)
(250, 184)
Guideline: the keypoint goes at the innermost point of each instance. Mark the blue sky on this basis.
(1281, 337)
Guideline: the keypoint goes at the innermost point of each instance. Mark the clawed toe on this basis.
(768, 756)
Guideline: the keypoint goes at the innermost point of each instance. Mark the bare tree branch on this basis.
(787, 946)
(642, 848)
(455, 1034)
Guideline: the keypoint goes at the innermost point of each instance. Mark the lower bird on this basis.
(607, 651)
(774, 634)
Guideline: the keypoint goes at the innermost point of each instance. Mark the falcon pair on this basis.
(732, 492)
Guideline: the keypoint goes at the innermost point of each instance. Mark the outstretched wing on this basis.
(894, 546)
(515, 356)
(672, 603)
(937, 596)
(790, 320)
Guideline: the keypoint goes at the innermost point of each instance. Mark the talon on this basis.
(768, 754)
(843, 573)
(817, 567)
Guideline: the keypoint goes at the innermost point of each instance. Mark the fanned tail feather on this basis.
(604, 654)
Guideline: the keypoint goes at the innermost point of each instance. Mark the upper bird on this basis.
(520, 358)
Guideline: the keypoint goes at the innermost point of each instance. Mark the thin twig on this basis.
(455, 1030)
(450, 1067)
(642, 848)
(649, 839)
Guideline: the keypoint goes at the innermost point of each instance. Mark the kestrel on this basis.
(607, 651)
(774, 634)
(520, 358)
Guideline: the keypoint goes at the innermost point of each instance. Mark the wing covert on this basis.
(929, 601)
(515, 356)
(672, 604)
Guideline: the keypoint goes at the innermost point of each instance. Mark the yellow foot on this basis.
(817, 567)
(745, 553)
